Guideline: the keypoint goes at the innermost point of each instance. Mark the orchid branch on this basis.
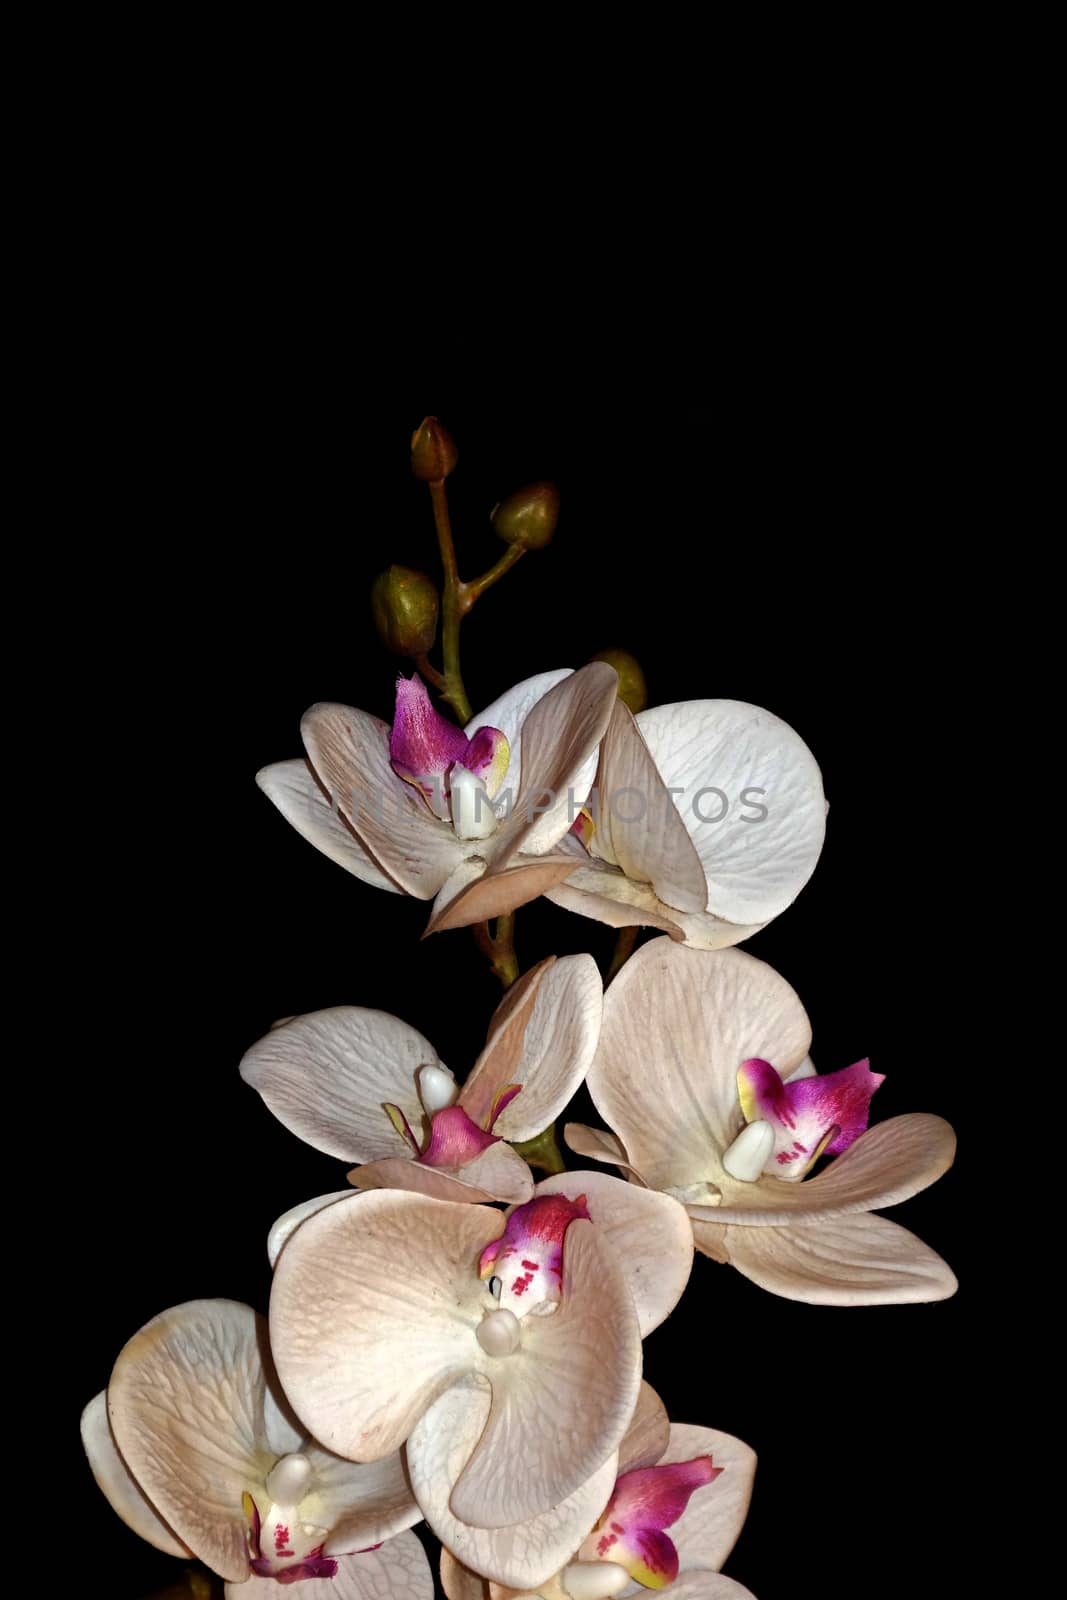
(625, 941)
(498, 945)
(453, 605)
(542, 1151)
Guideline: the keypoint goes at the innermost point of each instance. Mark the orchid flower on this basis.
(709, 819)
(395, 1316)
(364, 1086)
(703, 1076)
(195, 1448)
(668, 1512)
(469, 818)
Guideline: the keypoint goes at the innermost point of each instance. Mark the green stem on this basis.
(453, 605)
(498, 946)
(542, 1151)
(429, 671)
(476, 588)
(624, 949)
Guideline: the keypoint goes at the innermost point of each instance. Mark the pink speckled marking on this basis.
(809, 1115)
(532, 1242)
(643, 1504)
(424, 745)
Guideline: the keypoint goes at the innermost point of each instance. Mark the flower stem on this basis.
(498, 945)
(476, 588)
(453, 605)
(429, 671)
(624, 949)
(542, 1151)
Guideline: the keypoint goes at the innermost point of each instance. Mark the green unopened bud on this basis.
(404, 604)
(632, 690)
(433, 451)
(528, 517)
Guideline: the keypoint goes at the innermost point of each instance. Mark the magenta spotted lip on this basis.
(809, 1116)
(526, 1262)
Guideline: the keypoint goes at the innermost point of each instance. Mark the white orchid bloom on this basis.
(196, 1449)
(666, 1516)
(703, 1076)
(708, 821)
(469, 818)
(364, 1086)
(395, 1316)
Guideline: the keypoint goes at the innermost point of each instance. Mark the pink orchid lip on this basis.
(808, 1116)
(454, 1139)
(424, 746)
(526, 1261)
(630, 1532)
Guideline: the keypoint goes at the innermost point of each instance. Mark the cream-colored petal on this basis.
(559, 738)
(842, 1261)
(373, 1314)
(677, 1025)
(648, 1233)
(600, 891)
(732, 761)
(520, 1556)
(509, 712)
(398, 1571)
(459, 1582)
(698, 1585)
(498, 891)
(349, 751)
(638, 827)
(186, 1404)
(546, 1044)
(498, 1064)
(887, 1164)
(711, 1238)
(362, 1503)
(124, 1494)
(283, 1432)
(287, 1224)
(711, 1524)
(497, 1174)
(599, 1145)
(648, 1435)
(327, 1076)
(294, 789)
(563, 1400)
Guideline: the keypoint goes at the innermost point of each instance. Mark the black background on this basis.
(784, 551)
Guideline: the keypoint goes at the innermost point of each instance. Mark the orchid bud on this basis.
(404, 604)
(433, 451)
(632, 690)
(528, 517)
